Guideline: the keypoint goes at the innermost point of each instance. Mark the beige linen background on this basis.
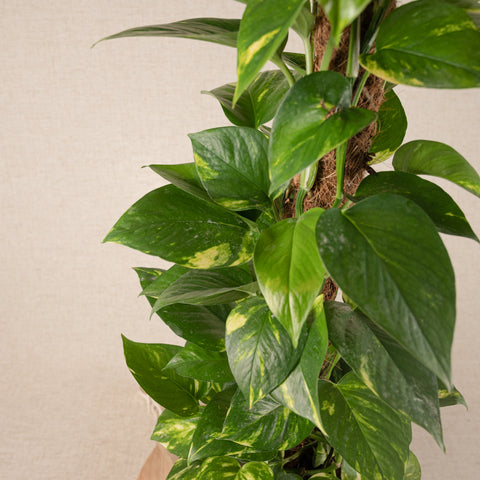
(76, 125)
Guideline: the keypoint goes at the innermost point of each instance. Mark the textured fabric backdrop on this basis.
(76, 125)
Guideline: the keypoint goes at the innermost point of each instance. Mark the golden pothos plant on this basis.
(277, 378)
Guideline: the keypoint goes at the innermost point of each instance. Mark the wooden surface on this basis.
(158, 464)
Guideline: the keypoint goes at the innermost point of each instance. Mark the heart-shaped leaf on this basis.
(387, 369)
(289, 270)
(302, 132)
(175, 433)
(387, 257)
(437, 204)
(146, 362)
(263, 28)
(195, 362)
(299, 391)
(369, 434)
(391, 127)
(232, 164)
(259, 349)
(424, 157)
(184, 229)
(427, 43)
(267, 426)
(258, 103)
(182, 470)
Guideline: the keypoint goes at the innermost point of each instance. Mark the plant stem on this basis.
(353, 50)
(284, 69)
(358, 93)
(327, 55)
(308, 55)
(340, 167)
(307, 179)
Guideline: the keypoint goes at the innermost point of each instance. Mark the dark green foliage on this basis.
(274, 382)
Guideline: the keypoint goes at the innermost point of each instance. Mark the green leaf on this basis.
(302, 133)
(205, 287)
(146, 362)
(412, 470)
(184, 229)
(472, 7)
(267, 426)
(371, 436)
(175, 433)
(425, 157)
(305, 21)
(219, 468)
(184, 176)
(341, 13)
(259, 349)
(216, 30)
(255, 471)
(448, 399)
(258, 103)
(289, 270)
(437, 204)
(263, 28)
(427, 44)
(184, 471)
(205, 442)
(391, 127)
(204, 326)
(195, 362)
(388, 370)
(233, 166)
(288, 476)
(387, 257)
(299, 391)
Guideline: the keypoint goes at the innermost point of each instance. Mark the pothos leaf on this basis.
(263, 28)
(289, 270)
(186, 230)
(370, 435)
(175, 433)
(146, 363)
(259, 349)
(387, 256)
(427, 44)
(425, 157)
(305, 127)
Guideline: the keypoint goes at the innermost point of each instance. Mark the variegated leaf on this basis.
(182, 470)
(233, 166)
(175, 433)
(427, 43)
(186, 230)
(258, 104)
(266, 426)
(225, 468)
(263, 28)
(255, 471)
(372, 437)
(386, 368)
(259, 349)
(306, 126)
(289, 270)
(425, 157)
(299, 392)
